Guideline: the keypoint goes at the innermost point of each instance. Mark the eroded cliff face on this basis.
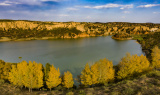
(87, 29)
(40, 25)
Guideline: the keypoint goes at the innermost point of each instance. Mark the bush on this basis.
(1, 81)
(132, 65)
(128, 91)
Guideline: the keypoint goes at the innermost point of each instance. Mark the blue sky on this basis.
(139, 11)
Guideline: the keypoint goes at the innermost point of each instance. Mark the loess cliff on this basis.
(23, 29)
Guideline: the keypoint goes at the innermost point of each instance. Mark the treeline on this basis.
(18, 33)
(121, 36)
(148, 42)
(33, 75)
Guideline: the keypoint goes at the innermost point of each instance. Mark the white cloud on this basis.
(110, 6)
(29, 2)
(11, 11)
(123, 17)
(156, 12)
(63, 15)
(126, 12)
(51, 0)
(88, 17)
(148, 5)
(4, 4)
(72, 9)
(8, 3)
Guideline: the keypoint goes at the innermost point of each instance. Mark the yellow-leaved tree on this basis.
(131, 65)
(155, 57)
(53, 77)
(105, 71)
(13, 75)
(86, 76)
(94, 74)
(16, 75)
(68, 80)
(6, 69)
(33, 75)
(2, 64)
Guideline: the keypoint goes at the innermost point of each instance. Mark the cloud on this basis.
(63, 15)
(72, 9)
(8, 3)
(11, 11)
(156, 12)
(148, 5)
(110, 6)
(123, 17)
(88, 17)
(26, 2)
(4, 4)
(126, 12)
(50, 0)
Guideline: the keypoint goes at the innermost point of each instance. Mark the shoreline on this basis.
(6, 39)
(121, 39)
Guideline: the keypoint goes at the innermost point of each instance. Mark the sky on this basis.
(135, 11)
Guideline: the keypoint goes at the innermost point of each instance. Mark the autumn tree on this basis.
(46, 70)
(2, 64)
(53, 77)
(99, 73)
(86, 76)
(33, 76)
(30, 75)
(16, 75)
(132, 64)
(68, 80)
(94, 74)
(6, 70)
(104, 71)
(155, 57)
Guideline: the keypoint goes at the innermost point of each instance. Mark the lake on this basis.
(70, 54)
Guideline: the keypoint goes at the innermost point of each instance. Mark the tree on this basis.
(68, 80)
(105, 71)
(95, 73)
(13, 76)
(2, 64)
(101, 72)
(53, 78)
(155, 57)
(6, 69)
(46, 71)
(16, 75)
(33, 75)
(131, 65)
(86, 76)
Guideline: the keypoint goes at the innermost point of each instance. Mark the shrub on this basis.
(131, 65)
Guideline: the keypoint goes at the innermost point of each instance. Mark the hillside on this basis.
(30, 30)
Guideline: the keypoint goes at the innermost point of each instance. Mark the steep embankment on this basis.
(29, 30)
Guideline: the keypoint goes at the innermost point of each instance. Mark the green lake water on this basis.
(71, 54)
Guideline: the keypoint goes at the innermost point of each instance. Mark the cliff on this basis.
(17, 29)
